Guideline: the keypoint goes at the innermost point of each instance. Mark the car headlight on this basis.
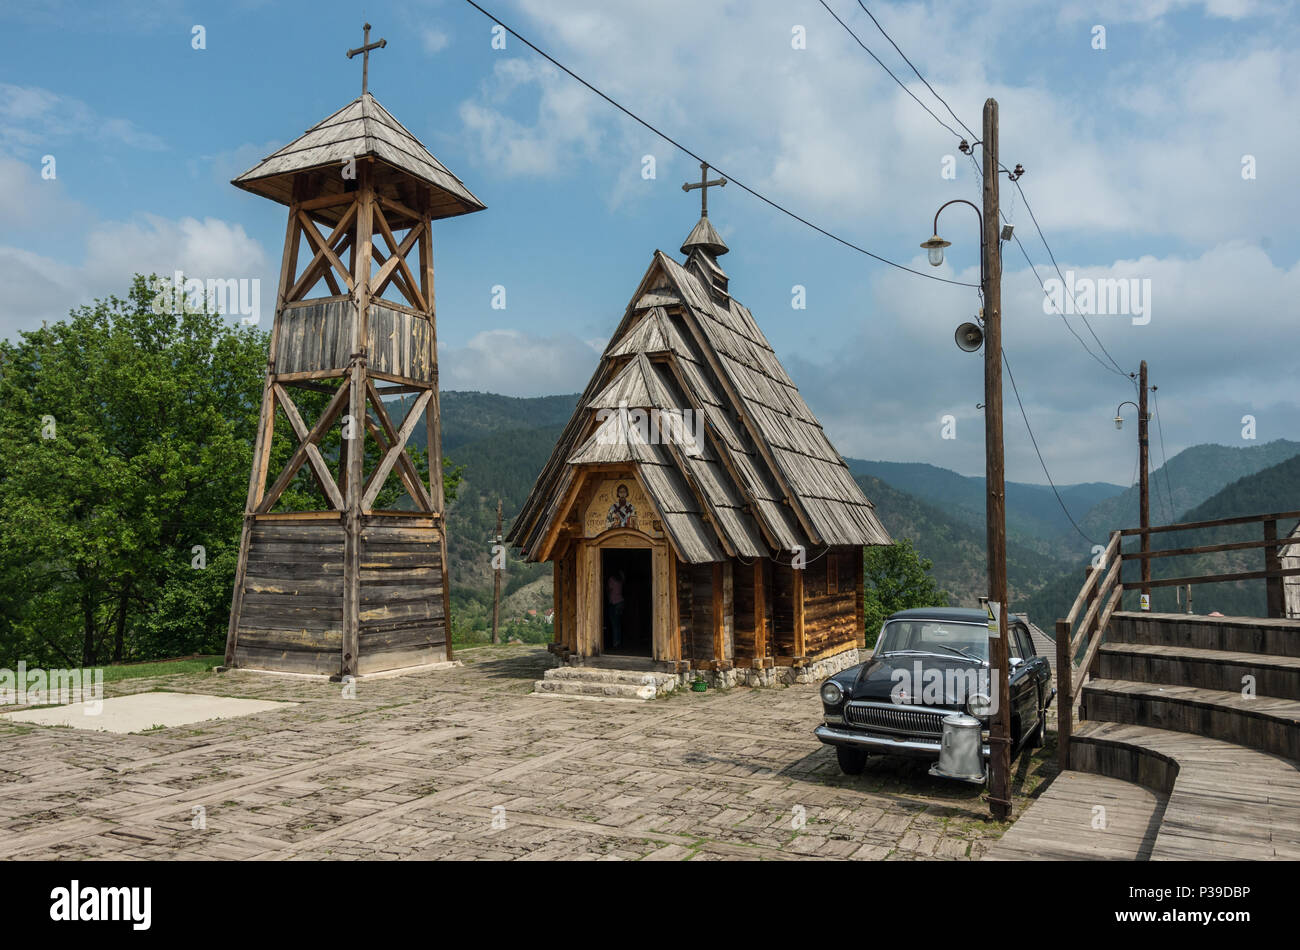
(979, 706)
(832, 695)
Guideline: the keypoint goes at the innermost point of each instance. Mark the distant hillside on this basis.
(1034, 517)
(1276, 488)
(470, 416)
(956, 548)
(1194, 475)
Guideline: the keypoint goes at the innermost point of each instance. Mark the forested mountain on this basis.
(1191, 476)
(1276, 488)
(1034, 517)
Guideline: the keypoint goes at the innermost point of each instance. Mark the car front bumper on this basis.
(880, 744)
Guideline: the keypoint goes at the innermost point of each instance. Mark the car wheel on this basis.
(852, 761)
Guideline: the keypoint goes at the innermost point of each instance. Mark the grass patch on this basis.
(188, 664)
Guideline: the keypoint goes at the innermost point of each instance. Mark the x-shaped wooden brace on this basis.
(393, 444)
(388, 271)
(307, 450)
(326, 260)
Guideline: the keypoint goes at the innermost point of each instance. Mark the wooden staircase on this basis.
(1182, 731)
(1181, 748)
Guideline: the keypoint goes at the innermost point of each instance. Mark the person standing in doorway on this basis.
(614, 601)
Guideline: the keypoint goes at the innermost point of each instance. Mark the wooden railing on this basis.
(1103, 590)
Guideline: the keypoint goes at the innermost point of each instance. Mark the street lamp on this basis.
(934, 244)
(969, 338)
(1119, 420)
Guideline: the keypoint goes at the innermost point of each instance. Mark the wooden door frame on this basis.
(589, 637)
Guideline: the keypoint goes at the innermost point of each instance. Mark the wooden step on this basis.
(1225, 801)
(1260, 722)
(1275, 676)
(1269, 637)
(1081, 816)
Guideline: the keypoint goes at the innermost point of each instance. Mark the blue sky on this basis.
(1134, 155)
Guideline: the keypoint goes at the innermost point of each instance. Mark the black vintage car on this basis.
(928, 664)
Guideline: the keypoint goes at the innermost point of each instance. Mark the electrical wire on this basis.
(1160, 429)
(1114, 366)
(730, 178)
(1059, 500)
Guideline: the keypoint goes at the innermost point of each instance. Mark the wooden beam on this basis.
(300, 454)
(380, 474)
(410, 474)
(760, 614)
(324, 478)
(798, 605)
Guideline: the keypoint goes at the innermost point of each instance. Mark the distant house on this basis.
(1291, 585)
(1043, 644)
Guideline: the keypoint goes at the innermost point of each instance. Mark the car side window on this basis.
(1024, 648)
(1015, 644)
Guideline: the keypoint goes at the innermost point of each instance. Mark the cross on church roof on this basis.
(364, 49)
(704, 185)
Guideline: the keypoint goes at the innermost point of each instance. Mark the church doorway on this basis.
(627, 595)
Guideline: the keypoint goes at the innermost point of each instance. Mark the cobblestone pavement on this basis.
(465, 764)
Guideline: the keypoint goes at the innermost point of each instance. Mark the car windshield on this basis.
(936, 636)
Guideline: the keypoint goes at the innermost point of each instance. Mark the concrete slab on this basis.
(144, 711)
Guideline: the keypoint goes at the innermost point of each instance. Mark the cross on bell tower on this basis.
(364, 49)
(342, 564)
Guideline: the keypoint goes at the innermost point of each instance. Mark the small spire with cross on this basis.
(704, 185)
(364, 49)
(704, 236)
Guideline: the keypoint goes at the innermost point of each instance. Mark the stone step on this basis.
(587, 674)
(588, 683)
(1267, 637)
(1259, 722)
(589, 690)
(1274, 676)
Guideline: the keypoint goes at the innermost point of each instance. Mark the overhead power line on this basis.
(1059, 500)
(1114, 366)
(1164, 459)
(725, 174)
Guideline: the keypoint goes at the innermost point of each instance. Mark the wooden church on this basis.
(696, 514)
(352, 586)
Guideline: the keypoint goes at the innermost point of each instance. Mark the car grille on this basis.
(896, 718)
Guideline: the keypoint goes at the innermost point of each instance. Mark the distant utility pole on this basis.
(1144, 485)
(1144, 481)
(496, 579)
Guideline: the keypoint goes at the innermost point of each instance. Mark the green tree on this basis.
(125, 446)
(896, 578)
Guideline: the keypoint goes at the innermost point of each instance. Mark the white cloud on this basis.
(45, 289)
(32, 118)
(513, 363)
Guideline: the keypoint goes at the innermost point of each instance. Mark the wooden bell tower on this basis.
(358, 582)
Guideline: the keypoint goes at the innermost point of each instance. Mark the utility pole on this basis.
(1143, 486)
(995, 505)
(498, 556)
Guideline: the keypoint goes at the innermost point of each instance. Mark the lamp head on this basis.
(934, 246)
(1119, 422)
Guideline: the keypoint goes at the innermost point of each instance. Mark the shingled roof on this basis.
(361, 128)
(762, 480)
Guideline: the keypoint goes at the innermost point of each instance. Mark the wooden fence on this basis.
(1084, 627)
